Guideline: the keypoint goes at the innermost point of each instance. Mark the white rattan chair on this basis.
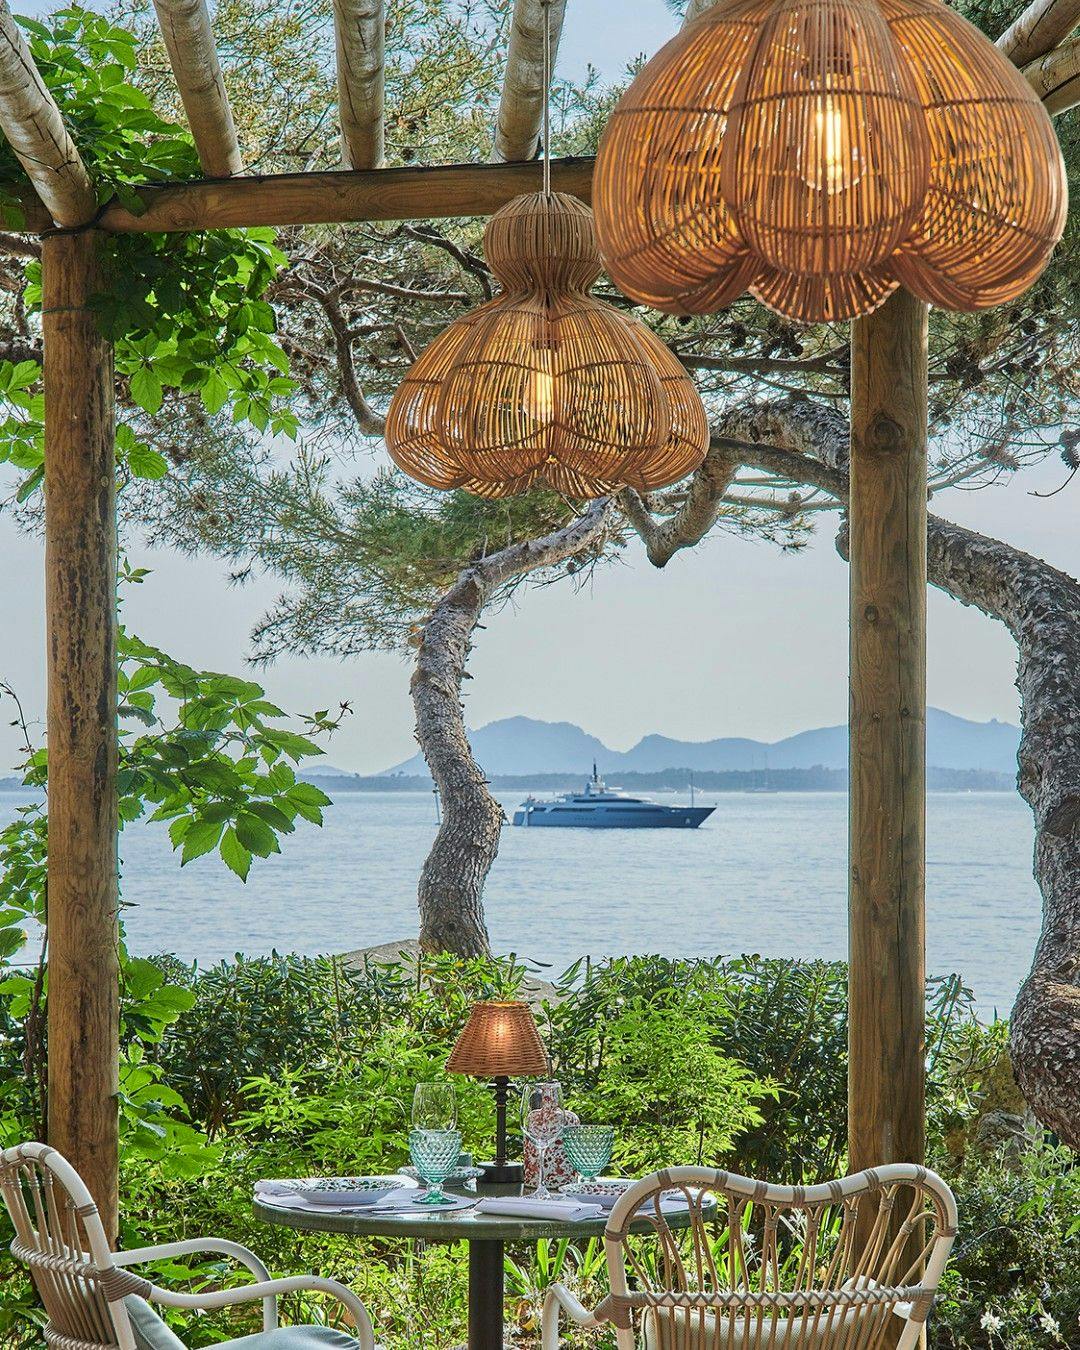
(94, 1302)
(776, 1267)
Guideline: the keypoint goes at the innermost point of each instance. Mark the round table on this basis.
(486, 1235)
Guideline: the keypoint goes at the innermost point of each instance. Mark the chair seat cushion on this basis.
(294, 1338)
(668, 1329)
(151, 1333)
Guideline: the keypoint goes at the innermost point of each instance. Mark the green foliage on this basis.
(289, 1067)
(186, 311)
(204, 752)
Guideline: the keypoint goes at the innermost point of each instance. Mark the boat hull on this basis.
(544, 816)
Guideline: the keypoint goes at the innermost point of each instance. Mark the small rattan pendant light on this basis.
(822, 152)
(546, 383)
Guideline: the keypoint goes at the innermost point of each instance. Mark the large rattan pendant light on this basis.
(546, 383)
(822, 152)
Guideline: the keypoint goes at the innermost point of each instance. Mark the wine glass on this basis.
(434, 1154)
(542, 1121)
(434, 1106)
(588, 1149)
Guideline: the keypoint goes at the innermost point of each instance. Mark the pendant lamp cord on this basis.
(547, 97)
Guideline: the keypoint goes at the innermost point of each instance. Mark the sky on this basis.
(733, 638)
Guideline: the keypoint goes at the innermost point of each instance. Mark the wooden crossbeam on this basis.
(189, 40)
(521, 105)
(1044, 25)
(429, 193)
(31, 121)
(1056, 78)
(360, 34)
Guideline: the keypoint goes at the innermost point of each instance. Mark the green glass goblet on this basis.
(588, 1148)
(434, 1153)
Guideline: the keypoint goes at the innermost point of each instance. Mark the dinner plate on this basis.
(336, 1192)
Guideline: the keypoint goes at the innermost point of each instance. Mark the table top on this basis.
(448, 1226)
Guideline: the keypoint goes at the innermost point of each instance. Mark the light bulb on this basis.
(540, 390)
(830, 161)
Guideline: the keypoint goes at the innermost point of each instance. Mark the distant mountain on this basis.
(522, 746)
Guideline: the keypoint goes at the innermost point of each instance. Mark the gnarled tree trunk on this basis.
(453, 876)
(1041, 608)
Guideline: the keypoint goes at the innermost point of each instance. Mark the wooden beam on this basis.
(1056, 78)
(31, 121)
(80, 601)
(328, 198)
(521, 105)
(1044, 25)
(887, 521)
(189, 40)
(360, 35)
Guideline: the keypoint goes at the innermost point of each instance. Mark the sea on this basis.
(766, 873)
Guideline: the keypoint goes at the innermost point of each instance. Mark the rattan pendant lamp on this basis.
(546, 384)
(819, 153)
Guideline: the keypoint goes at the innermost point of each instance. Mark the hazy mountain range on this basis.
(523, 745)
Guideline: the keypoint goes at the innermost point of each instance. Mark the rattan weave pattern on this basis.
(821, 152)
(500, 1039)
(546, 383)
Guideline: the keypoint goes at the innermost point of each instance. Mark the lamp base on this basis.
(500, 1178)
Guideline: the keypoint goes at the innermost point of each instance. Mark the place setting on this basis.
(561, 1179)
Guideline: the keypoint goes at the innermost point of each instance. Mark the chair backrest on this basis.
(60, 1236)
(762, 1267)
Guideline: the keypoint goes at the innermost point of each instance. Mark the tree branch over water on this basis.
(1040, 606)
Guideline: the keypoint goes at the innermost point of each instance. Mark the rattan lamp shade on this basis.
(822, 152)
(500, 1040)
(545, 383)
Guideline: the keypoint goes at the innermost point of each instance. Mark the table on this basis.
(486, 1235)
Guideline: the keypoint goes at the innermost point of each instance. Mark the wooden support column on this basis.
(886, 1089)
(80, 599)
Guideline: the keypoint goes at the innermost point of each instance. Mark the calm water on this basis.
(766, 873)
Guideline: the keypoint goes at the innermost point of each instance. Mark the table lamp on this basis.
(500, 1041)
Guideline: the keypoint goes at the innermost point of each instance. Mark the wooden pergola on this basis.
(887, 529)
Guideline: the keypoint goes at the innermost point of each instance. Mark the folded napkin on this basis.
(527, 1207)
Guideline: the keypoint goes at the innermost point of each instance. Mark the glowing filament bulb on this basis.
(540, 390)
(831, 162)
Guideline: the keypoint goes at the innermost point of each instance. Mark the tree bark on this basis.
(1041, 608)
(453, 876)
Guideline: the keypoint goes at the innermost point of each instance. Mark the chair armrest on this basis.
(559, 1299)
(269, 1290)
(217, 1246)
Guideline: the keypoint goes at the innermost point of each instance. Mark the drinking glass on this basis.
(542, 1120)
(434, 1154)
(434, 1106)
(588, 1148)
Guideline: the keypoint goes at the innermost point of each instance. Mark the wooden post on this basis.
(886, 1089)
(80, 599)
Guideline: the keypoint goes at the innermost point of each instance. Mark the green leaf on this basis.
(146, 463)
(273, 816)
(201, 838)
(146, 389)
(214, 393)
(30, 485)
(234, 855)
(256, 836)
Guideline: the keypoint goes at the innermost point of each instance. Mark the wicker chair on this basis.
(777, 1268)
(94, 1302)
